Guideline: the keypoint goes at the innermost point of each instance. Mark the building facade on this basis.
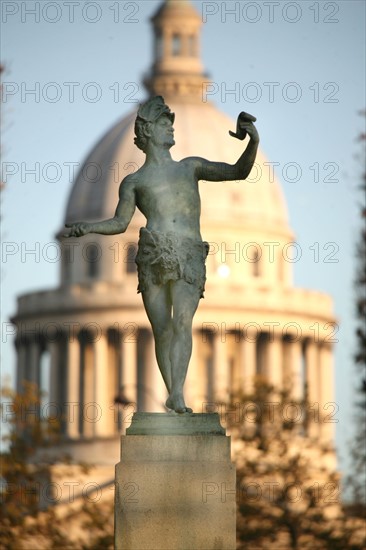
(89, 340)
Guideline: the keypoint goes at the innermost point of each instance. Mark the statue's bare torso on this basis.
(168, 197)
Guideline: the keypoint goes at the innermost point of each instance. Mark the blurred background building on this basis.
(88, 343)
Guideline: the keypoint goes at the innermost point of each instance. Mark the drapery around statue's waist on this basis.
(164, 257)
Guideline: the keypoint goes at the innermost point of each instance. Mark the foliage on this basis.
(25, 522)
(288, 489)
(360, 283)
(100, 523)
(21, 477)
(286, 501)
(358, 478)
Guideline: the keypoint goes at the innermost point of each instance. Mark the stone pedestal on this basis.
(175, 484)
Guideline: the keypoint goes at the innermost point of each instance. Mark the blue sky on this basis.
(298, 66)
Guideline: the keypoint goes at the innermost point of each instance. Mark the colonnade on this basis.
(225, 368)
(87, 372)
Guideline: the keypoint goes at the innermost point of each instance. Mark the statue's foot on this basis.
(176, 403)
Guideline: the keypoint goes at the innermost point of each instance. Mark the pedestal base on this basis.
(175, 492)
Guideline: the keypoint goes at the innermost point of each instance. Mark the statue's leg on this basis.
(185, 299)
(158, 307)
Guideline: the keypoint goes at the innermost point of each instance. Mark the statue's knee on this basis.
(182, 324)
(162, 333)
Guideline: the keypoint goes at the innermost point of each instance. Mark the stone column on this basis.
(104, 426)
(293, 369)
(129, 367)
(21, 365)
(248, 363)
(235, 367)
(295, 384)
(54, 394)
(262, 355)
(313, 387)
(185, 45)
(221, 370)
(88, 412)
(274, 362)
(128, 378)
(167, 44)
(73, 386)
(114, 379)
(34, 353)
(328, 407)
(297, 372)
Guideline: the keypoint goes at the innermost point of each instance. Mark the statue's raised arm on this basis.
(222, 171)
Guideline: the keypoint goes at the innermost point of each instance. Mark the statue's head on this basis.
(147, 115)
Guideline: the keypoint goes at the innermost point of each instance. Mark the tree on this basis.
(26, 520)
(287, 498)
(358, 477)
(21, 478)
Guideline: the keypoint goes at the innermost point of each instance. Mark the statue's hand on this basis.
(245, 126)
(78, 229)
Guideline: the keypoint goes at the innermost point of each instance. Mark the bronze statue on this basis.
(171, 254)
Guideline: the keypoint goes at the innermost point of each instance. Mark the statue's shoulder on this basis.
(128, 185)
(192, 161)
(195, 164)
(133, 179)
(188, 160)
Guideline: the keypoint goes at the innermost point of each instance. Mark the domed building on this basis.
(92, 331)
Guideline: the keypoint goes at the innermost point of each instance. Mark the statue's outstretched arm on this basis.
(118, 224)
(221, 171)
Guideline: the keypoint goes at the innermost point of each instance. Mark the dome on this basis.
(200, 130)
